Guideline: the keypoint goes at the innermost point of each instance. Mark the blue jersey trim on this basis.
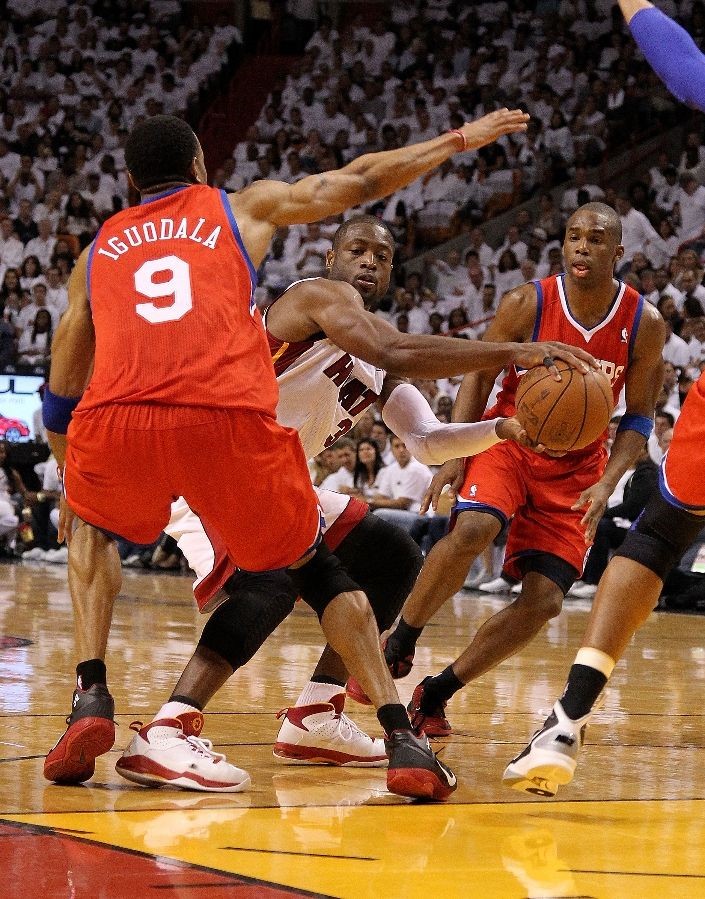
(238, 238)
(539, 310)
(164, 193)
(89, 265)
(635, 325)
(669, 496)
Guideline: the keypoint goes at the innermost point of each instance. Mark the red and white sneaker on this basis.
(323, 734)
(161, 754)
(90, 733)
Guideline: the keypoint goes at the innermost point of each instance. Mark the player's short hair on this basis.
(613, 221)
(160, 149)
(361, 219)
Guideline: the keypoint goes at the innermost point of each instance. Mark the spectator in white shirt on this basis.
(11, 247)
(27, 315)
(311, 261)
(637, 231)
(57, 294)
(34, 344)
(569, 202)
(401, 487)
(690, 207)
(344, 476)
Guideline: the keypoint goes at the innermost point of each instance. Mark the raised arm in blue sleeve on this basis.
(672, 54)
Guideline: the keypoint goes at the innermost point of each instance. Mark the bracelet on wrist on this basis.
(458, 133)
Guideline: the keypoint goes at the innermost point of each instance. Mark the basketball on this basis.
(567, 414)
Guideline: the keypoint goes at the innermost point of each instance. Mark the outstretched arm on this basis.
(336, 308)
(669, 50)
(267, 205)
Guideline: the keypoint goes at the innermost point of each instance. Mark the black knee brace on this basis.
(554, 568)
(384, 560)
(660, 536)
(321, 579)
(257, 604)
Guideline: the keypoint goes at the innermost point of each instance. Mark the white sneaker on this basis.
(160, 753)
(132, 561)
(58, 556)
(498, 585)
(321, 733)
(550, 757)
(516, 588)
(474, 581)
(583, 591)
(34, 555)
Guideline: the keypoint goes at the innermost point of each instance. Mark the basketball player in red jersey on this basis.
(549, 535)
(631, 585)
(182, 395)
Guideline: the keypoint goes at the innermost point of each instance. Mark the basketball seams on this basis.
(585, 411)
(549, 412)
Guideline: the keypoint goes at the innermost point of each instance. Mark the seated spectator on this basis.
(663, 422)
(79, 219)
(368, 465)
(400, 487)
(344, 476)
(11, 247)
(30, 272)
(381, 435)
(42, 246)
(34, 345)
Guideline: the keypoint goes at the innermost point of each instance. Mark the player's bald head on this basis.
(606, 215)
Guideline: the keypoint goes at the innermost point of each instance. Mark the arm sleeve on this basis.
(411, 418)
(672, 54)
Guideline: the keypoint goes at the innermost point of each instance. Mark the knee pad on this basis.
(257, 604)
(552, 567)
(660, 536)
(385, 561)
(321, 579)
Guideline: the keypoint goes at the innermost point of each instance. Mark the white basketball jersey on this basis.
(323, 391)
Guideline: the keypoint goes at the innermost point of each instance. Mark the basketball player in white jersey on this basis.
(320, 333)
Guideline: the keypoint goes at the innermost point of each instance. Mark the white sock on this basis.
(597, 659)
(173, 709)
(314, 693)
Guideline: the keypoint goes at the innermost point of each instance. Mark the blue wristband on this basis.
(639, 423)
(57, 411)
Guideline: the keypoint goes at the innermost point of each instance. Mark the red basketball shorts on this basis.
(536, 492)
(244, 475)
(683, 469)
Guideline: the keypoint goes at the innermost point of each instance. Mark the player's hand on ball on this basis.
(451, 472)
(529, 355)
(595, 500)
(512, 429)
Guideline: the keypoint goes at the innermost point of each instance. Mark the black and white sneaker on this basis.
(414, 768)
(550, 758)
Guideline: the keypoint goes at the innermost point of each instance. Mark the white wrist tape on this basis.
(410, 417)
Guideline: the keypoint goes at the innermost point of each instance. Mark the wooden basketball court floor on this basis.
(631, 824)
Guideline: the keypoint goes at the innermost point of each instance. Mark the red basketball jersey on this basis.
(610, 341)
(171, 291)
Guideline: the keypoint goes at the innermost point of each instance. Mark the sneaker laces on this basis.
(349, 730)
(204, 748)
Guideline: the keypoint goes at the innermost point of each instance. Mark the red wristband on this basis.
(462, 137)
